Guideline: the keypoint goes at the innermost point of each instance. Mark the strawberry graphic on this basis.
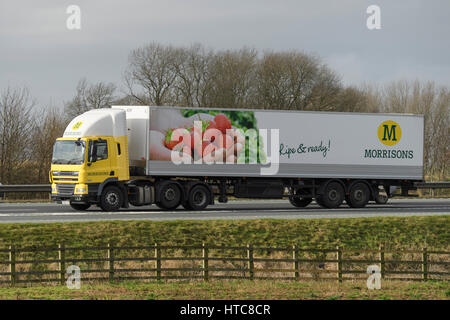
(222, 122)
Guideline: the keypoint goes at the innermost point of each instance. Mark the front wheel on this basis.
(111, 199)
(80, 206)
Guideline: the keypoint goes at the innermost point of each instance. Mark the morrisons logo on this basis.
(388, 154)
(389, 133)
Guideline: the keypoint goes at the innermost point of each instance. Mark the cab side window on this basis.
(102, 150)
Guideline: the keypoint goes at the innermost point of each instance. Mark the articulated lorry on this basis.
(172, 156)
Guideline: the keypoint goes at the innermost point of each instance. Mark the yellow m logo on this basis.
(389, 133)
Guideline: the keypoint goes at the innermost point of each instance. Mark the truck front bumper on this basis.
(66, 192)
(76, 198)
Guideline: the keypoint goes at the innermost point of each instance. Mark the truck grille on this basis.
(65, 188)
(65, 173)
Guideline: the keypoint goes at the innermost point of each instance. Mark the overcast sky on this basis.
(37, 49)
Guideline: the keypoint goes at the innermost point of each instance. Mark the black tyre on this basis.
(320, 202)
(111, 199)
(186, 205)
(381, 199)
(359, 195)
(333, 195)
(299, 202)
(299, 198)
(169, 196)
(80, 206)
(199, 198)
(159, 205)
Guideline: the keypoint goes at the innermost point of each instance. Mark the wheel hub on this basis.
(358, 195)
(112, 198)
(333, 195)
(199, 198)
(169, 194)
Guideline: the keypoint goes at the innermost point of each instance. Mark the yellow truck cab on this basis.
(92, 155)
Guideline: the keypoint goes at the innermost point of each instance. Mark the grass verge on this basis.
(354, 233)
(237, 290)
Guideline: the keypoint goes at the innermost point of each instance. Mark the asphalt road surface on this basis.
(278, 209)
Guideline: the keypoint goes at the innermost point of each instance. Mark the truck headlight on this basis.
(54, 188)
(81, 189)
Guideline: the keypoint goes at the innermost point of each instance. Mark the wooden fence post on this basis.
(250, 260)
(295, 265)
(424, 264)
(12, 265)
(205, 262)
(62, 262)
(111, 262)
(339, 263)
(382, 264)
(158, 261)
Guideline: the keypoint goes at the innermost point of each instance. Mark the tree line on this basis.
(195, 76)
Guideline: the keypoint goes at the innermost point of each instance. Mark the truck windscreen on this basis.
(68, 152)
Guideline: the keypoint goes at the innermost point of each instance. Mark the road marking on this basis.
(191, 214)
(8, 210)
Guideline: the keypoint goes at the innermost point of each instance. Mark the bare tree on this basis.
(295, 80)
(49, 124)
(350, 99)
(151, 68)
(373, 98)
(192, 83)
(439, 154)
(90, 96)
(232, 77)
(419, 98)
(15, 132)
(325, 92)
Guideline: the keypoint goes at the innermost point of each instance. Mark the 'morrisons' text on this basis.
(389, 154)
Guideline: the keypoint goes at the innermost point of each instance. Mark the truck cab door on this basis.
(99, 164)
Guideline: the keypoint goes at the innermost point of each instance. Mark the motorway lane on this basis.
(277, 209)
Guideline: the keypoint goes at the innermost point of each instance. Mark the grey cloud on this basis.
(38, 50)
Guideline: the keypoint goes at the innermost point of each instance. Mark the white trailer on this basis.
(301, 155)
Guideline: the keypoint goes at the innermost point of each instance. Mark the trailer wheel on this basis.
(111, 199)
(381, 199)
(169, 197)
(320, 202)
(186, 205)
(199, 198)
(80, 206)
(333, 196)
(299, 201)
(358, 196)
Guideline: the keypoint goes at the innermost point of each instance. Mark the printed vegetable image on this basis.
(243, 120)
